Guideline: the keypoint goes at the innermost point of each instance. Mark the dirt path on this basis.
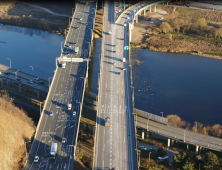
(46, 10)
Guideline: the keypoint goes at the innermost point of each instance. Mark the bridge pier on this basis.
(187, 147)
(143, 134)
(172, 142)
(144, 12)
(154, 8)
(197, 148)
(150, 9)
(168, 143)
(136, 18)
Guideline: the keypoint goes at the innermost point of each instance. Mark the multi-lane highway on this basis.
(114, 144)
(67, 88)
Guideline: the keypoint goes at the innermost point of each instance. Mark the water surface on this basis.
(182, 84)
(30, 47)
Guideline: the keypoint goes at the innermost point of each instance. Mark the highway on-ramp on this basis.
(67, 87)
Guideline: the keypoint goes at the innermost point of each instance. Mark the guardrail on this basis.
(150, 116)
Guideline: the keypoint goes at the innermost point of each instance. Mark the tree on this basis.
(201, 22)
(210, 160)
(165, 27)
(189, 165)
(174, 120)
(179, 160)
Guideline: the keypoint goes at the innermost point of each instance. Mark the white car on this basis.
(36, 159)
(63, 140)
(74, 113)
(50, 113)
(30, 81)
(80, 19)
(161, 18)
(114, 64)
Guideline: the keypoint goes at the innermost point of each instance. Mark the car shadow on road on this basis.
(115, 72)
(100, 121)
(108, 62)
(113, 58)
(112, 51)
(120, 68)
(110, 45)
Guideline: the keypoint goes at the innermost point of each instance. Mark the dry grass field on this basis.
(186, 33)
(15, 128)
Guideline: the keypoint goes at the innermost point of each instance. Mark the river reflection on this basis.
(186, 85)
(30, 47)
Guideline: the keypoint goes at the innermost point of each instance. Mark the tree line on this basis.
(191, 26)
(215, 130)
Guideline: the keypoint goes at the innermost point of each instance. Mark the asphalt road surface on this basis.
(67, 87)
(115, 145)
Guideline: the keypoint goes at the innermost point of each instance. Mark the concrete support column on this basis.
(154, 8)
(37, 94)
(150, 9)
(144, 12)
(187, 147)
(200, 149)
(168, 143)
(136, 18)
(197, 148)
(143, 134)
(140, 13)
(167, 3)
(172, 142)
(20, 90)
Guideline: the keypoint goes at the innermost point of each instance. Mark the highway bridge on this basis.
(115, 145)
(68, 86)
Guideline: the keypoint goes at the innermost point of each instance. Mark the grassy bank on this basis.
(183, 30)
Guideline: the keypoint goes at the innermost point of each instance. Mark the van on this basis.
(63, 64)
(69, 106)
(164, 159)
(124, 59)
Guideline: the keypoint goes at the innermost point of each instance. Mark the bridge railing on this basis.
(150, 116)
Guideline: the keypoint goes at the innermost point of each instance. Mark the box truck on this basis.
(76, 49)
(63, 64)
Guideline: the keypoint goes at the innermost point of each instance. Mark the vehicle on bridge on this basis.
(63, 64)
(110, 32)
(76, 49)
(124, 59)
(69, 106)
(53, 151)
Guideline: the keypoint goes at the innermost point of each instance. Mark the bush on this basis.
(165, 27)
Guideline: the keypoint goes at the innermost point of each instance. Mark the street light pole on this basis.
(32, 68)
(149, 156)
(162, 113)
(196, 126)
(10, 62)
(184, 135)
(49, 80)
(147, 126)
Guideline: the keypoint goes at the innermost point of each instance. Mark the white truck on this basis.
(124, 59)
(63, 64)
(76, 49)
(53, 150)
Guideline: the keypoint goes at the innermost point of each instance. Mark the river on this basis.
(182, 84)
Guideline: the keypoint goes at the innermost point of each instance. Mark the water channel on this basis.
(186, 85)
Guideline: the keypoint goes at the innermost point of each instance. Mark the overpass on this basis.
(13, 78)
(68, 86)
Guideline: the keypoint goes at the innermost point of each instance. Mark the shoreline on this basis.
(200, 54)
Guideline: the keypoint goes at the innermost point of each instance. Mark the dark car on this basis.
(6, 73)
(18, 79)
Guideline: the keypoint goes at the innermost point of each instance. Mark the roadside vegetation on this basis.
(185, 30)
(215, 130)
(16, 128)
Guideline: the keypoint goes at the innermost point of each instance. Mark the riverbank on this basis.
(52, 17)
(180, 32)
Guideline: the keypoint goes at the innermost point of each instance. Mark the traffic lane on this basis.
(180, 137)
(178, 131)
